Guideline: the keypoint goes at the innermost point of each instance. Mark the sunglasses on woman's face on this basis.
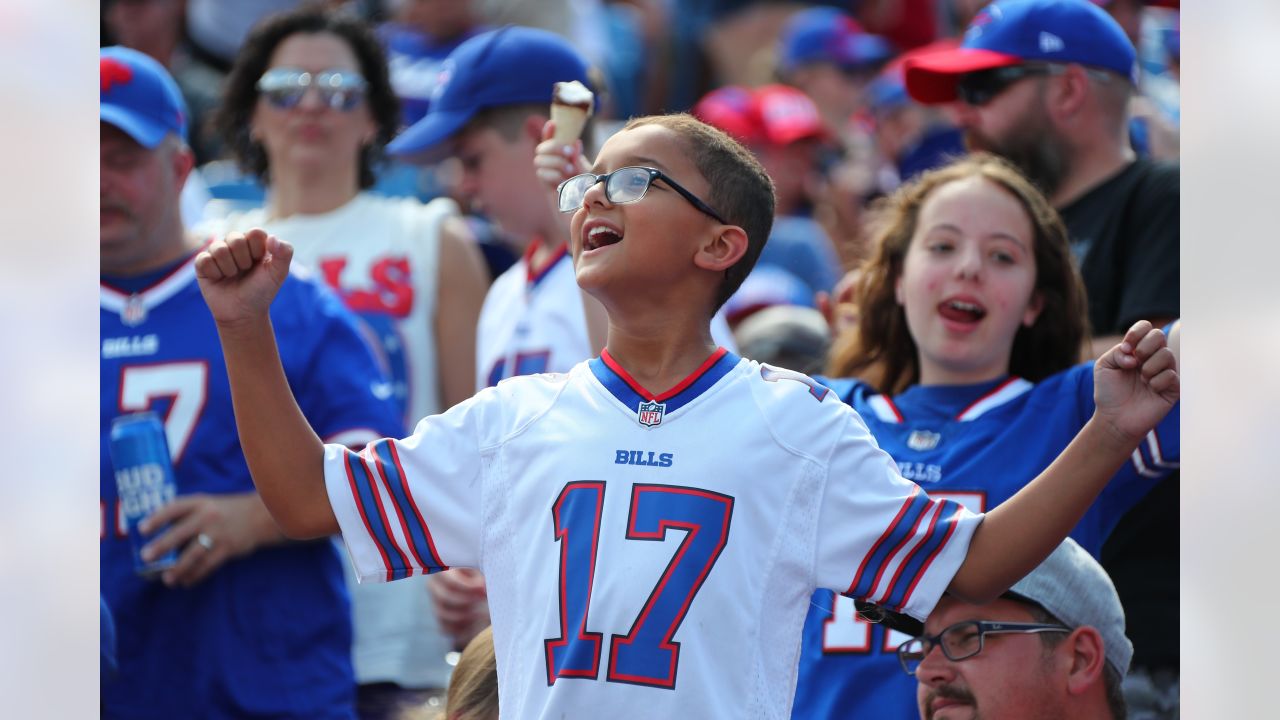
(284, 87)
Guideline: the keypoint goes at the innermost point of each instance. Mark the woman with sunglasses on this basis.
(308, 109)
(971, 320)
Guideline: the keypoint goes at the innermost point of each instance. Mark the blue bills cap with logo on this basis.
(139, 96)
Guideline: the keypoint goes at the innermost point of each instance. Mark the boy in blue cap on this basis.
(488, 110)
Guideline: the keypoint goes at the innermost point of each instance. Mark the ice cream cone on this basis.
(571, 105)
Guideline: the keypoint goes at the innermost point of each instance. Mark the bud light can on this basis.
(144, 481)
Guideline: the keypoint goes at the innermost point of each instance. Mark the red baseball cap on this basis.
(772, 114)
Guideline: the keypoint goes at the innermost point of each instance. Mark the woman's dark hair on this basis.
(881, 350)
(235, 115)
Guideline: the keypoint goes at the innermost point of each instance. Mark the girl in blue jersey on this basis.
(970, 327)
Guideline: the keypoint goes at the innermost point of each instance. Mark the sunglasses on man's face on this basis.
(980, 88)
(284, 88)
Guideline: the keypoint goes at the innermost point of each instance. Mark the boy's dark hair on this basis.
(234, 116)
(741, 190)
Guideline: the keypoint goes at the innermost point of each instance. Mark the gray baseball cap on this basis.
(1073, 587)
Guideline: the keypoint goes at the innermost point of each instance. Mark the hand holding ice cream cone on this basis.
(559, 156)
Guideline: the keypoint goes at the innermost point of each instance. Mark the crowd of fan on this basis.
(846, 105)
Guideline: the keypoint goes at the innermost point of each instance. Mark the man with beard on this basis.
(1047, 84)
(1052, 647)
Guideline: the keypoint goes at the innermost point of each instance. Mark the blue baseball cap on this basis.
(507, 66)
(1012, 32)
(140, 97)
(825, 34)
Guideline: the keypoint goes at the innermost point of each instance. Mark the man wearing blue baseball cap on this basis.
(141, 107)
(1047, 85)
(241, 624)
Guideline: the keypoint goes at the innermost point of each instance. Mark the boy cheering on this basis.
(653, 552)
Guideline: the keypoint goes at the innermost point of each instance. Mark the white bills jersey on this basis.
(649, 556)
(532, 321)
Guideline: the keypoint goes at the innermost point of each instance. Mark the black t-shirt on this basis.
(1125, 235)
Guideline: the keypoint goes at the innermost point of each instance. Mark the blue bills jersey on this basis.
(649, 555)
(976, 445)
(269, 633)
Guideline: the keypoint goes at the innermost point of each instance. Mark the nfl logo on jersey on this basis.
(921, 440)
(650, 413)
(134, 312)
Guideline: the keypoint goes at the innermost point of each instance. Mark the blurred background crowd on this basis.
(815, 89)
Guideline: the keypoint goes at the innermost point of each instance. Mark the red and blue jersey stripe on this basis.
(378, 466)
(904, 532)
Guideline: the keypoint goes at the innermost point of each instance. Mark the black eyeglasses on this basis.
(980, 88)
(963, 640)
(285, 87)
(624, 185)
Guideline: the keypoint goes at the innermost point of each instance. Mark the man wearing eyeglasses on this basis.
(1052, 647)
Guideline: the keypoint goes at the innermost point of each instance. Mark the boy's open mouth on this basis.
(600, 236)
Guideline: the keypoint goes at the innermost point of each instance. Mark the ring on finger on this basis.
(204, 541)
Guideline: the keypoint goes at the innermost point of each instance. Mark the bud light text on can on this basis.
(144, 481)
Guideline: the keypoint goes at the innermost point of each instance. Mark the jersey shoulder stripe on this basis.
(369, 507)
(887, 545)
(387, 461)
(946, 518)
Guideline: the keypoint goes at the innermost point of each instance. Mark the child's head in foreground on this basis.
(709, 202)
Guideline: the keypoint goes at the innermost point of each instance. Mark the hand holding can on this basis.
(144, 481)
